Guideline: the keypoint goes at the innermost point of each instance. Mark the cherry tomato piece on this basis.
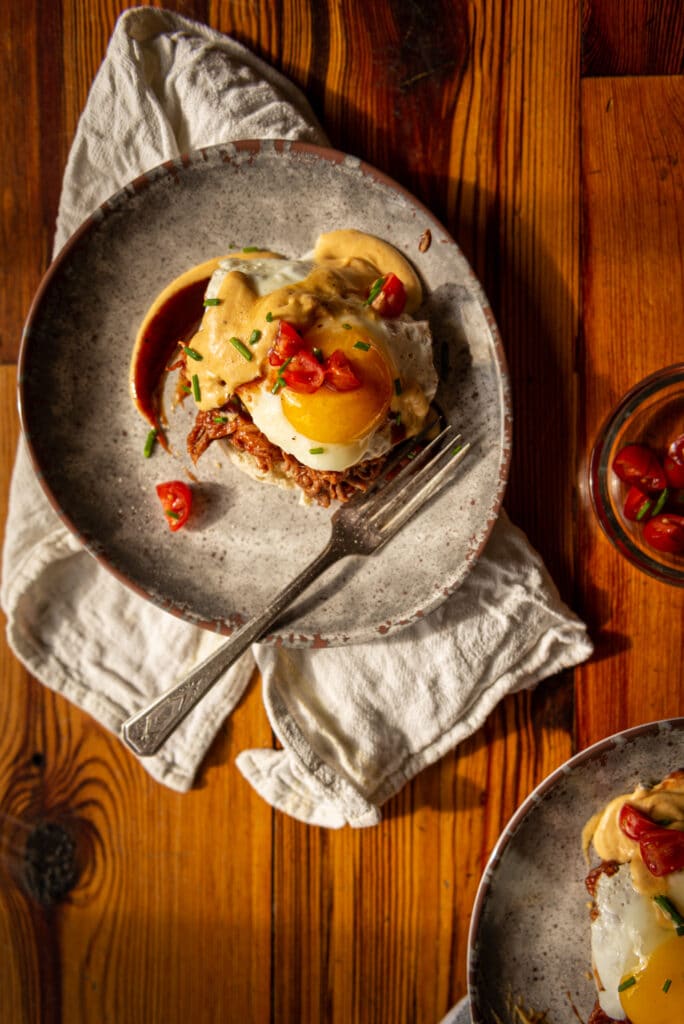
(288, 341)
(638, 505)
(339, 374)
(676, 449)
(390, 298)
(637, 464)
(176, 499)
(662, 849)
(674, 471)
(304, 373)
(666, 533)
(634, 823)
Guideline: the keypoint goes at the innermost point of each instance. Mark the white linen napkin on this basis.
(355, 723)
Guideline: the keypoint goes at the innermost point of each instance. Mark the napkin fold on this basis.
(355, 723)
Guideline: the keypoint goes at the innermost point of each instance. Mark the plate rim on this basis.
(281, 147)
(516, 820)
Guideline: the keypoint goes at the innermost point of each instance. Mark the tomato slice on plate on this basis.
(662, 849)
(287, 342)
(176, 499)
(339, 374)
(388, 296)
(666, 533)
(303, 372)
(637, 464)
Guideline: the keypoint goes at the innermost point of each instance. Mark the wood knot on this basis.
(50, 868)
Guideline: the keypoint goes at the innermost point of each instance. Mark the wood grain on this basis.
(634, 37)
(633, 302)
(123, 901)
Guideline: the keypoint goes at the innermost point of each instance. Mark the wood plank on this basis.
(633, 154)
(480, 142)
(172, 899)
(636, 37)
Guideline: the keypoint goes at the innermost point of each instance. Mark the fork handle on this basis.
(147, 730)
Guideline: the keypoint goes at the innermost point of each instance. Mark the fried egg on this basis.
(324, 297)
(636, 951)
(637, 943)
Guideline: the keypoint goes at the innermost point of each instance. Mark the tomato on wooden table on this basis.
(176, 499)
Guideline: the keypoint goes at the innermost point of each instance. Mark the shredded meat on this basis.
(606, 867)
(322, 486)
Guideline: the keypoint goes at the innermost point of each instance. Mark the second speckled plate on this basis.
(529, 938)
(246, 540)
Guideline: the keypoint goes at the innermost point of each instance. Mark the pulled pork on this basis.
(321, 486)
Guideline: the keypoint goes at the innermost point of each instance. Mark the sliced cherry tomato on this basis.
(288, 341)
(634, 823)
(637, 464)
(304, 373)
(674, 470)
(388, 297)
(339, 374)
(176, 499)
(666, 533)
(676, 449)
(663, 852)
(638, 505)
(662, 849)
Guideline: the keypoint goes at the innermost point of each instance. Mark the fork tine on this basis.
(414, 471)
(399, 513)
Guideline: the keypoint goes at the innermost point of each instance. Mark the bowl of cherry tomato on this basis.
(636, 475)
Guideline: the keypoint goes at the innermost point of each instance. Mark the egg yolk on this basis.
(656, 996)
(333, 416)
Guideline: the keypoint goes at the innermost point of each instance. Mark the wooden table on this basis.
(548, 138)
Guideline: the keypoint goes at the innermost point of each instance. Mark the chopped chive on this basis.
(627, 983)
(662, 498)
(171, 514)
(196, 391)
(347, 327)
(363, 345)
(397, 419)
(457, 449)
(212, 302)
(186, 388)
(279, 383)
(668, 908)
(220, 419)
(666, 986)
(285, 364)
(269, 318)
(644, 509)
(254, 337)
(318, 354)
(193, 353)
(242, 348)
(316, 451)
(397, 386)
(376, 287)
(150, 442)
(251, 248)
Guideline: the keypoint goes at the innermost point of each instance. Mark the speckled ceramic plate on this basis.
(529, 935)
(246, 539)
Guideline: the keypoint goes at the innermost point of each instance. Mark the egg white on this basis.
(626, 931)
(265, 274)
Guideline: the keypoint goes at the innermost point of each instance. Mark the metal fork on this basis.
(360, 527)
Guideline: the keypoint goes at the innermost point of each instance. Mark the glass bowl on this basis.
(651, 413)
